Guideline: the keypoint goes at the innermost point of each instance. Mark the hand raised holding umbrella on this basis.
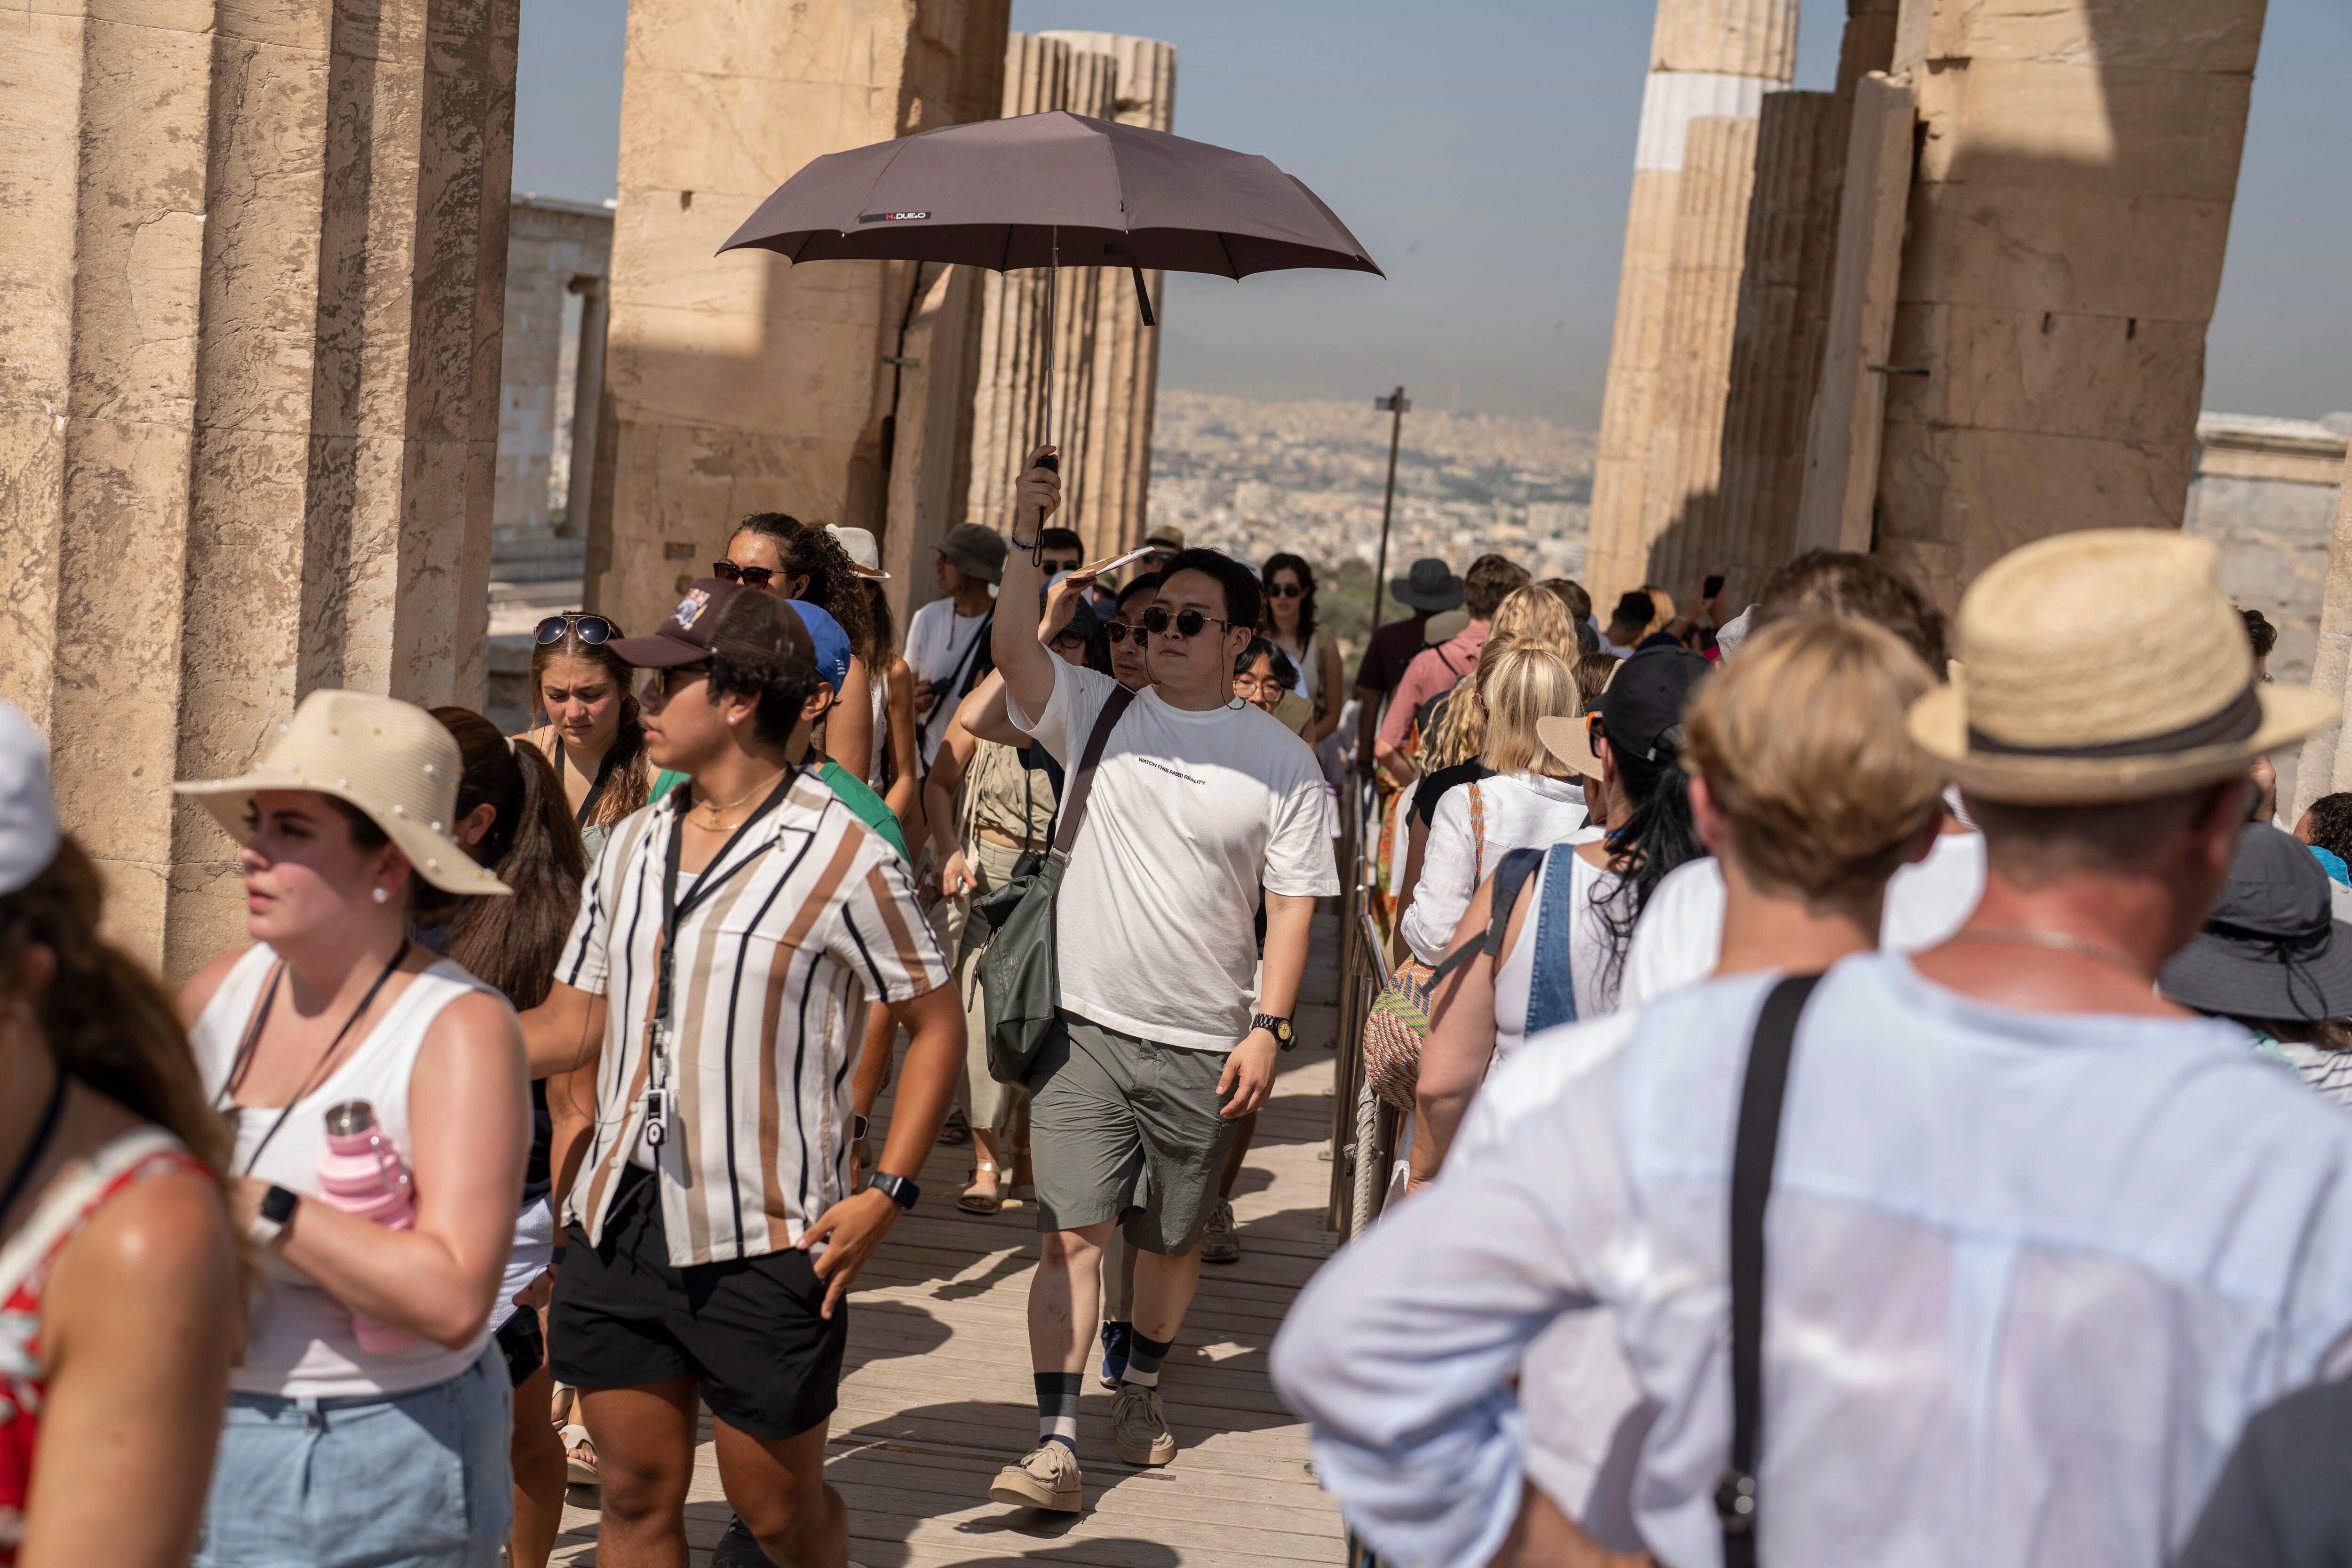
(1054, 190)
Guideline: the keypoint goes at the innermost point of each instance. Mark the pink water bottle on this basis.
(361, 1173)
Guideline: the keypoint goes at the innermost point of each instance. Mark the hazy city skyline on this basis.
(1484, 153)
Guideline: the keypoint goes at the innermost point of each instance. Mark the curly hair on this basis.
(812, 552)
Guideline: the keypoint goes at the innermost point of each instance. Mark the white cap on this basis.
(864, 550)
(28, 809)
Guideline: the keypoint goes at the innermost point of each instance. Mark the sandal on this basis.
(579, 1455)
(973, 1200)
(955, 1132)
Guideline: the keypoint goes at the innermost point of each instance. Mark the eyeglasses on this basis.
(664, 683)
(1285, 590)
(595, 630)
(1251, 687)
(1053, 564)
(1188, 623)
(1119, 631)
(750, 577)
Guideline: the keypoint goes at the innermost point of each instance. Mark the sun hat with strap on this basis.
(2106, 664)
(393, 760)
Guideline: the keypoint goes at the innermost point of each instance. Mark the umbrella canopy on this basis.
(1037, 188)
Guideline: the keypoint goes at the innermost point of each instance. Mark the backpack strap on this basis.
(1477, 834)
(1082, 783)
(1753, 1152)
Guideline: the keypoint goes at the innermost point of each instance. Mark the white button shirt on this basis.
(2027, 1275)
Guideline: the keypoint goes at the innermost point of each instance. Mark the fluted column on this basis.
(1106, 362)
(1709, 59)
(250, 300)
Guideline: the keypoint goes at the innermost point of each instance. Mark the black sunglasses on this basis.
(666, 682)
(1119, 631)
(750, 577)
(1286, 591)
(1188, 623)
(595, 630)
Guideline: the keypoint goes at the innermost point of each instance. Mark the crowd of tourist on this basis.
(1866, 1094)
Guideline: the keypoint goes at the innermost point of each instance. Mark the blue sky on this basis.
(1482, 151)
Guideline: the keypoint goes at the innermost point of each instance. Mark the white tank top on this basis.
(301, 1341)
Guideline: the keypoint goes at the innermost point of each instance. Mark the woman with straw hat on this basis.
(369, 1417)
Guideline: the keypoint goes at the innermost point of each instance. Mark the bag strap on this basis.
(1477, 834)
(1082, 783)
(1753, 1152)
(1509, 877)
(958, 679)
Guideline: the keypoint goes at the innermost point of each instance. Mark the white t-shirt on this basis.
(1517, 811)
(938, 647)
(1190, 813)
(1680, 936)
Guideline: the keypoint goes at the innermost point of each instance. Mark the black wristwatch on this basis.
(1284, 1034)
(277, 1205)
(898, 1189)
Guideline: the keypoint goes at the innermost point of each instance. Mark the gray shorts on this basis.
(1123, 1128)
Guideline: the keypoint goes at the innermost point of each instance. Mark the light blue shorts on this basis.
(417, 1480)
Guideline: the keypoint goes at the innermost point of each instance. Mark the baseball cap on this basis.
(28, 809)
(721, 617)
(1642, 707)
(829, 641)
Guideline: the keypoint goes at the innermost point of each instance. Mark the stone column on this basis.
(1105, 361)
(1709, 59)
(2325, 762)
(740, 383)
(587, 398)
(250, 293)
(2077, 163)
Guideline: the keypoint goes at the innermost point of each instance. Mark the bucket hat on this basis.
(1428, 584)
(2106, 664)
(721, 617)
(864, 551)
(2270, 949)
(391, 759)
(29, 807)
(974, 551)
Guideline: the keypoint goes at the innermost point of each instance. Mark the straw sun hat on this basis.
(2106, 664)
(392, 760)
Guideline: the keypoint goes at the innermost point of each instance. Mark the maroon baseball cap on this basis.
(723, 617)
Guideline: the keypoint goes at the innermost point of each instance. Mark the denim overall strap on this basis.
(1552, 984)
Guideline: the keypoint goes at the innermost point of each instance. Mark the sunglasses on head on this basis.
(595, 630)
(666, 682)
(750, 577)
(1188, 623)
(1285, 590)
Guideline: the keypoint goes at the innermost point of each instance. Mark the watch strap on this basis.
(899, 1190)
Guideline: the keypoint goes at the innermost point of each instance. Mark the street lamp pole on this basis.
(1394, 405)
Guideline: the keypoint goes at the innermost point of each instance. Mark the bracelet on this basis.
(1018, 542)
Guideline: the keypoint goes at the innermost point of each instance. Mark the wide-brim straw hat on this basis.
(1567, 738)
(1444, 627)
(2106, 664)
(389, 760)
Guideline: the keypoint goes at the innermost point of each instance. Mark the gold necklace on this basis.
(717, 811)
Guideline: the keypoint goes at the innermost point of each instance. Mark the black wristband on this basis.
(897, 1189)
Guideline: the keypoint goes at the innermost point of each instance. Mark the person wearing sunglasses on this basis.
(782, 555)
(594, 737)
(1126, 633)
(1165, 1043)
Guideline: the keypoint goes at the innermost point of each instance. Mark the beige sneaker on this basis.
(1138, 1427)
(1047, 1477)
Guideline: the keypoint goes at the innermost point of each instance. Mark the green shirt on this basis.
(847, 787)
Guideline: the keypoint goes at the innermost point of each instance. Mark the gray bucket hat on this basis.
(974, 551)
(2270, 949)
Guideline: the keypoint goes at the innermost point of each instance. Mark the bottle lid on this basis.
(350, 1117)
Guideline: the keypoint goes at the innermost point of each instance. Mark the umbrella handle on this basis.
(1142, 295)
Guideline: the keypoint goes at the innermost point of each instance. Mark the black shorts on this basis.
(748, 1329)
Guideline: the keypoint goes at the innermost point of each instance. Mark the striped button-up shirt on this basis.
(771, 975)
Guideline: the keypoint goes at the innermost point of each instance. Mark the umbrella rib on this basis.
(1233, 267)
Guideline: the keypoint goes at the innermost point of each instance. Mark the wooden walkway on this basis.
(936, 1394)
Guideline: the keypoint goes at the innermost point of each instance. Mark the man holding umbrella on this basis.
(1162, 1046)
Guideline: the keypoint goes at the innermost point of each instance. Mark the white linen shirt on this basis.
(2028, 1274)
(1523, 811)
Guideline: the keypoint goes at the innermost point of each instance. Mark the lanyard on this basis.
(47, 1128)
(595, 790)
(674, 910)
(253, 1040)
